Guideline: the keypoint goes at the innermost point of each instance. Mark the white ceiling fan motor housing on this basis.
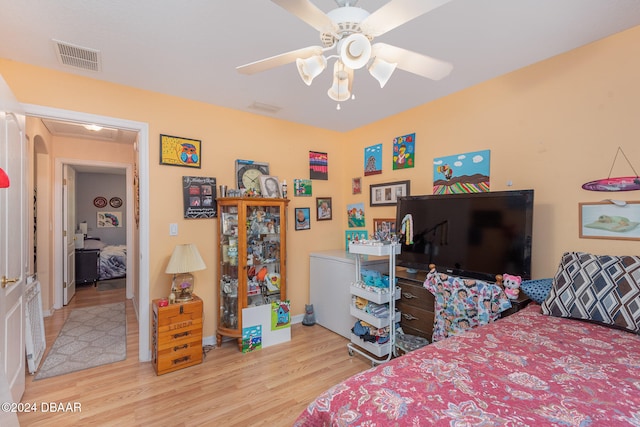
(346, 21)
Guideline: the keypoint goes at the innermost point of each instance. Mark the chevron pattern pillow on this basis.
(599, 288)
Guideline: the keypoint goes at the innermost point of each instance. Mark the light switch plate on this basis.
(173, 229)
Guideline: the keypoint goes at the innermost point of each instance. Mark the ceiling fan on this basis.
(350, 30)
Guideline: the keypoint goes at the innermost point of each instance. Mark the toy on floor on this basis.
(309, 316)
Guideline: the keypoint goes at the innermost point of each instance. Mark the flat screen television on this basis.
(475, 235)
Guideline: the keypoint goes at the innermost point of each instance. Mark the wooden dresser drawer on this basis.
(177, 335)
(417, 319)
(416, 304)
(416, 295)
(179, 356)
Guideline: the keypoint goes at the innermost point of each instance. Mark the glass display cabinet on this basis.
(252, 239)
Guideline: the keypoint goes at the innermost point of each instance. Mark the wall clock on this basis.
(248, 174)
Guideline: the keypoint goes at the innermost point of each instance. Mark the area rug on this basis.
(90, 337)
(109, 285)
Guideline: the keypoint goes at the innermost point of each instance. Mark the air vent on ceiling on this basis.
(78, 57)
(267, 108)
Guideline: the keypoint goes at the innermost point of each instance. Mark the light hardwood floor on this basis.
(269, 387)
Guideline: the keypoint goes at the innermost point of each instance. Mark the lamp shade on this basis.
(4, 179)
(340, 89)
(310, 68)
(185, 259)
(381, 70)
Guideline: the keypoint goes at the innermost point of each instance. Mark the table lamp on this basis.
(184, 259)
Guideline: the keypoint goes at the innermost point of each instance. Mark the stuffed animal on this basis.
(511, 285)
(309, 316)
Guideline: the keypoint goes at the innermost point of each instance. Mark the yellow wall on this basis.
(551, 127)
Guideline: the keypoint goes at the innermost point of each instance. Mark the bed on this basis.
(112, 259)
(565, 362)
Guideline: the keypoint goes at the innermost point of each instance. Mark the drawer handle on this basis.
(181, 360)
(408, 295)
(409, 317)
(181, 334)
(180, 347)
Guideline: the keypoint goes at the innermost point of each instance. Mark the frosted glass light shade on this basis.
(381, 70)
(340, 90)
(310, 68)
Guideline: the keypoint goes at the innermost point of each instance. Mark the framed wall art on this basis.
(323, 208)
(404, 151)
(109, 219)
(318, 165)
(387, 194)
(270, 186)
(354, 236)
(356, 185)
(199, 197)
(607, 220)
(302, 187)
(384, 228)
(303, 218)
(177, 151)
(462, 173)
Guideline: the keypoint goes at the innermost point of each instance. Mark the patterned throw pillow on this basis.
(537, 290)
(600, 288)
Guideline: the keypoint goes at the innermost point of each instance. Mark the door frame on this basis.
(142, 305)
(59, 219)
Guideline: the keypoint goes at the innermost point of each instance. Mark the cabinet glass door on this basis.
(263, 254)
(229, 267)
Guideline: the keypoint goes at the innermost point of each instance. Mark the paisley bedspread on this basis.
(524, 370)
(113, 262)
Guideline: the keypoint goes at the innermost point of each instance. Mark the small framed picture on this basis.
(303, 216)
(323, 208)
(356, 185)
(384, 228)
(270, 186)
(605, 220)
(387, 194)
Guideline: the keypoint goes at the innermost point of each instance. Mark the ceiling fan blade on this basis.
(396, 13)
(413, 62)
(278, 60)
(308, 12)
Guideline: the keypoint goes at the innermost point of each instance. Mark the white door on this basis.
(13, 242)
(68, 231)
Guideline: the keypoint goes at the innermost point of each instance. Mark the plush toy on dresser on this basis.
(511, 285)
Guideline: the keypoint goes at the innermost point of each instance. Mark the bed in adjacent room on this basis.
(570, 359)
(112, 259)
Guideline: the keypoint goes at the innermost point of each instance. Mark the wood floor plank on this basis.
(268, 387)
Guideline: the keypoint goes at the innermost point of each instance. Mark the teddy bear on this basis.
(511, 285)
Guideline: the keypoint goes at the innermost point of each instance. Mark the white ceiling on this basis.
(190, 48)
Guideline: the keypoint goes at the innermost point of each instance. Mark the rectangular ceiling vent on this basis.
(78, 57)
(267, 108)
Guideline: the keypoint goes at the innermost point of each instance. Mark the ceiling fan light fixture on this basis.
(382, 70)
(340, 89)
(355, 51)
(310, 68)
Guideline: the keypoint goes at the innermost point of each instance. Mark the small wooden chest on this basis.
(177, 335)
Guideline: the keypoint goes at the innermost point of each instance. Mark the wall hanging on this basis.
(177, 151)
(387, 194)
(373, 160)
(199, 197)
(627, 183)
(462, 173)
(609, 220)
(318, 165)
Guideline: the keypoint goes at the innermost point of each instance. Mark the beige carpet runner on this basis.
(90, 337)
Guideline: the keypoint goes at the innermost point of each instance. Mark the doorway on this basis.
(140, 294)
